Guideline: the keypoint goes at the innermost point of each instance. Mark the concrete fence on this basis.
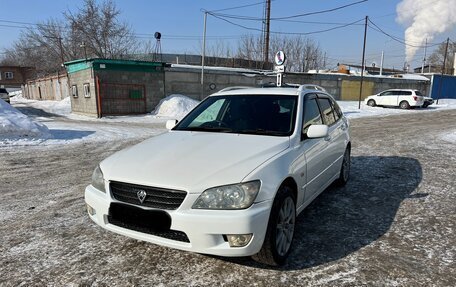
(53, 88)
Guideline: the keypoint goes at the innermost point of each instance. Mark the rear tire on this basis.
(280, 233)
(344, 175)
(404, 105)
(371, 103)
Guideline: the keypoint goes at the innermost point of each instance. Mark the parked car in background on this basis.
(230, 178)
(427, 102)
(4, 95)
(403, 98)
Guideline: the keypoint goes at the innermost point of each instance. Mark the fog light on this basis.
(91, 210)
(238, 240)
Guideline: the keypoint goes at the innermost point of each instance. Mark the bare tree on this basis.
(303, 54)
(99, 28)
(52, 42)
(436, 58)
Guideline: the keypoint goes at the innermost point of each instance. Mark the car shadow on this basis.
(35, 112)
(343, 220)
(69, 134)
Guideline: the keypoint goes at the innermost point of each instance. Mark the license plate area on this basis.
(138, 219)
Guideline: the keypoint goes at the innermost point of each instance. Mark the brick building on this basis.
(15, 76)
(101, 87)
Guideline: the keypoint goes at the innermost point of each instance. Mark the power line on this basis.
(397, 39)
(287, 33)
(35, 26)
(238, 7)
(240, 17)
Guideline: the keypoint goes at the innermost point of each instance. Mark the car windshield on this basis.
(270, 115)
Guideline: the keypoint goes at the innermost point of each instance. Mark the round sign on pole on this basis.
(280, 58)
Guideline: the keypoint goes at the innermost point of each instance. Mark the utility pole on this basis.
(381, 63)
(266, 34)
(203, 55)
(443, 70)
(424, 59)
(362, 63)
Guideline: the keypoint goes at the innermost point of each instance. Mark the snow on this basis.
(351, 110)
(449, 137)
(174, 106)
(16, 125)
(53, 124)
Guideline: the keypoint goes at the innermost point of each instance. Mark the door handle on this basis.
(328, 138)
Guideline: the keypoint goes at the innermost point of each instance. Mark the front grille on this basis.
(152, 222)
(159, 198)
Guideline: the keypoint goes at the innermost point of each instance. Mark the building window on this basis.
(9, 75)
(74, 91)
(87, 90)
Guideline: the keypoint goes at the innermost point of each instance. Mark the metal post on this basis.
(381, 63)
(362, 68)
(266, 34)
(203, 55)
(424, 59)
(443, 70)
(61, 49)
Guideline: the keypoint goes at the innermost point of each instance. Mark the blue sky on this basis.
(181, 24)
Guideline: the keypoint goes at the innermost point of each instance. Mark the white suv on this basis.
(403, 98)
(230, 178)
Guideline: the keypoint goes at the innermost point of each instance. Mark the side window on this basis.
(326, 111)
(87, 90)
(311, 115)
(9, 75)
(337, 110)
(74, 91)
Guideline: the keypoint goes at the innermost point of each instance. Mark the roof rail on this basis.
(234, 88)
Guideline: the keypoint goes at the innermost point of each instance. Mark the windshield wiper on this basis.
(262, 132)
(208, 129)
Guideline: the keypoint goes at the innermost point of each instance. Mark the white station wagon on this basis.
(230, 178)
(403, 98)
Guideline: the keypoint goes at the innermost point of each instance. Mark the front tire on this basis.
(371, 103)
(280, 233)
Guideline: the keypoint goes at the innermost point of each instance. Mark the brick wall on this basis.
(81, 104)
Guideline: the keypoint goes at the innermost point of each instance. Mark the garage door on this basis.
(122, 99)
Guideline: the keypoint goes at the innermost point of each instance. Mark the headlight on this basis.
(98, 180)
(236, 196)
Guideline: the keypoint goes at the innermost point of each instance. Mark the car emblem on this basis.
(141, 194)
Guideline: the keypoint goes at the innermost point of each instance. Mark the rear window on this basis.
(418, 93)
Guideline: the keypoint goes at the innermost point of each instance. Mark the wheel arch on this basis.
(291, 183)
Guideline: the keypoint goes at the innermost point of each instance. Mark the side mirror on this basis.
(317, 131)
(171, 124)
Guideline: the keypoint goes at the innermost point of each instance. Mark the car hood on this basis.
(192, 161)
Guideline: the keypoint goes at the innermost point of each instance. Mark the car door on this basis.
(335, 140)
(403, 96)
(385, 98)
(307, 167)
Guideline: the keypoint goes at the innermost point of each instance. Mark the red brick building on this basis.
(15, 76)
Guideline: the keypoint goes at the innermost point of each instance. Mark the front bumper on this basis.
(205, 229)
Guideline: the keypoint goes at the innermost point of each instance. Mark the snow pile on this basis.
(16, 93)
(449, 137)
(174, 106)
(14, 124)
(62, 107)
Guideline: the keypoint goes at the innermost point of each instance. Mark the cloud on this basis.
(424, 20)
